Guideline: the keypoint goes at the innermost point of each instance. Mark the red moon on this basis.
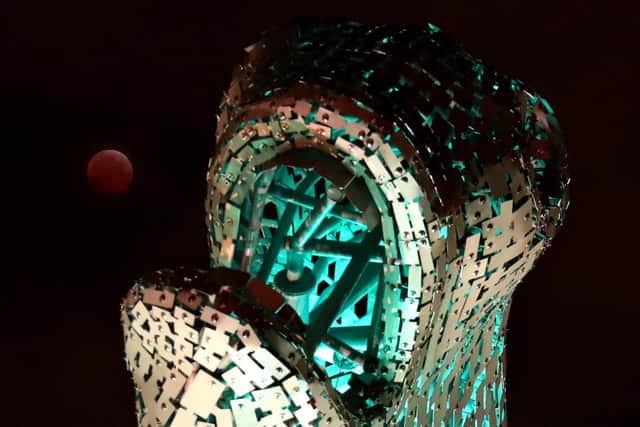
(109, 172)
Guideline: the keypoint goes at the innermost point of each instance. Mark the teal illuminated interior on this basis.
(297, 206)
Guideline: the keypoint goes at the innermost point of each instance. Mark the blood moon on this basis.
(109, 172)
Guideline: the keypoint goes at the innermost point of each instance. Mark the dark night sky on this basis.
(145, 78)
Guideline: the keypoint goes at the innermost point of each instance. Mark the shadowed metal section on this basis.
(277, 240)
(356, 335)
(337, 249)
(295, 259)
(373, 340)
(366, 280)
(286, 195)
(323, 315)
(344, 349)
(258, 199)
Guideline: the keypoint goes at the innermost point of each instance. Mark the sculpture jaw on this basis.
(230, 355)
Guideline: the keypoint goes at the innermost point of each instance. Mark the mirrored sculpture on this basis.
(375, 195)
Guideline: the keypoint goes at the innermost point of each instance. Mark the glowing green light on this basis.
(539, 163)
(547, 105)
(433, 28)
(427, 120)
(363, 106)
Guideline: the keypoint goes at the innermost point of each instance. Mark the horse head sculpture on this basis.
(375, 195)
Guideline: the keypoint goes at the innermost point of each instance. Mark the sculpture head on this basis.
(392, 190)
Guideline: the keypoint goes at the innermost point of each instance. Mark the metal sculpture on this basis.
(375, 195)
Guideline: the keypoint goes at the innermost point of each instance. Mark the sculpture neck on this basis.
(459, 384)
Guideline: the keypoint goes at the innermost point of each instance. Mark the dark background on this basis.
(146, 78)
